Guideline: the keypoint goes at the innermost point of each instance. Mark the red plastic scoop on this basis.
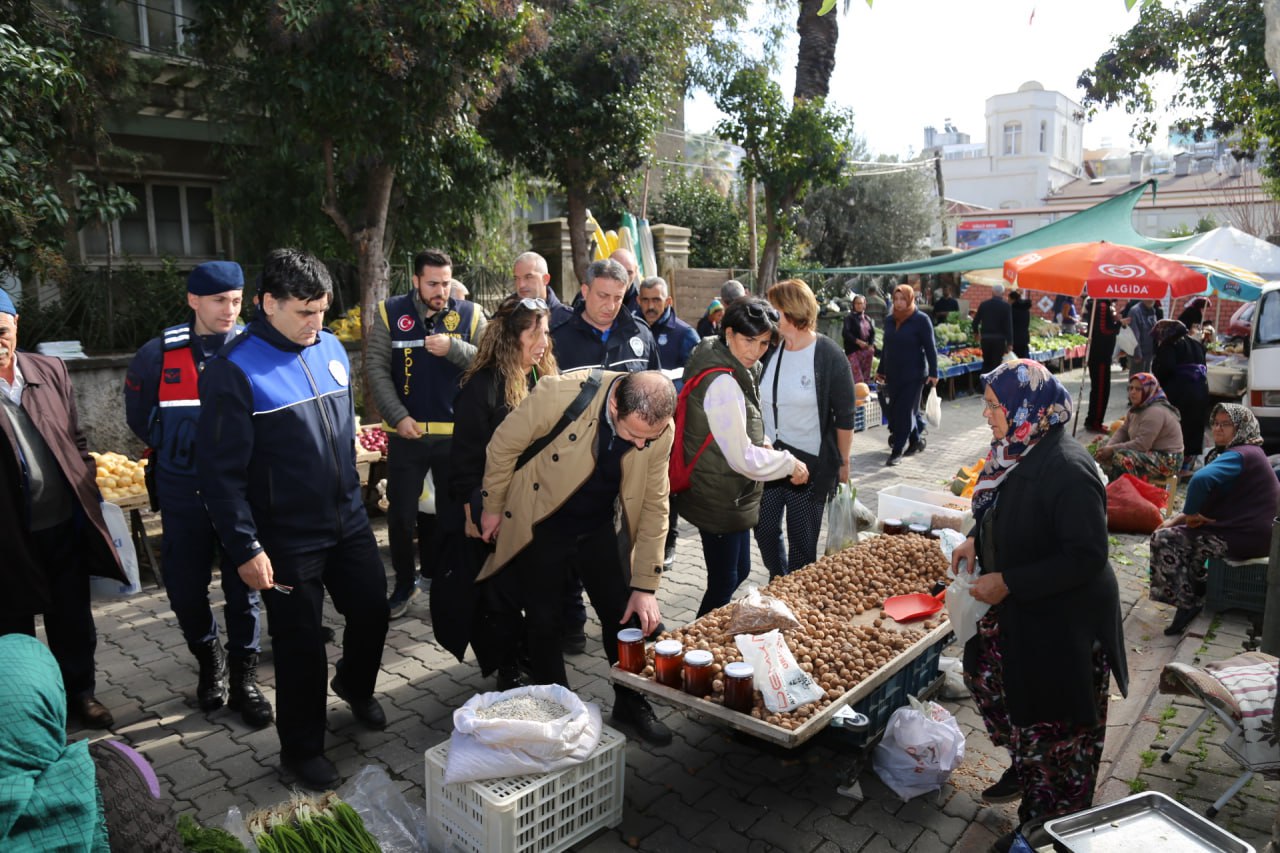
(916, 605)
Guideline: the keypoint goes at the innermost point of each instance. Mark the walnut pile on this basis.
(843, 636)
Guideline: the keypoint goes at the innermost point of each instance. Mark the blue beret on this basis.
(215, 277)
(6, 304)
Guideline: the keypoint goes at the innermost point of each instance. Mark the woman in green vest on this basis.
(723, 499)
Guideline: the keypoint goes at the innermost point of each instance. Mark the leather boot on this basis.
(246, 698)
(211, 690)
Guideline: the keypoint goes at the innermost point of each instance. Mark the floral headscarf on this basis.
(1167, 331)
(1151, 390)
(1034, 402)
(1247, 430)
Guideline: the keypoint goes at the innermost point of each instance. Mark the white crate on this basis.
(866, 415)
(522, 814)
(913, 505)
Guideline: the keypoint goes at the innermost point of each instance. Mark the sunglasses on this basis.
(757, 311)
(533, 303)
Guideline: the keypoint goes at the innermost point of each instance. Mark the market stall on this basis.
(853, 654)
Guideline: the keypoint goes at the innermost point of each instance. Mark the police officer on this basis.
(419, 344)
(284, 495)
(162, 406)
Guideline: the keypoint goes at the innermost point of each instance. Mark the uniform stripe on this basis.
(300, 402)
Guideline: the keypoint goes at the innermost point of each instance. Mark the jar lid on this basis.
(896, 522)
(630, 635)
(698, 657)
(922, 529)
(668, 647)
(739, 669)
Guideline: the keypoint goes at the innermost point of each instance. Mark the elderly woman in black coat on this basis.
(1041, 663)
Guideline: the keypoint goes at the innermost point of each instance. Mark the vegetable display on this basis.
(308, 825)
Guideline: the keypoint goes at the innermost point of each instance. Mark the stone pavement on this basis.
(711, 788)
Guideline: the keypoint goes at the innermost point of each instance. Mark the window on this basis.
(1044, 136)
(1013, 137)
(159, 25)
(174, 219)
(1266, 326)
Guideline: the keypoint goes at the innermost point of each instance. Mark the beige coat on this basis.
(1153, 427)
(537, 490)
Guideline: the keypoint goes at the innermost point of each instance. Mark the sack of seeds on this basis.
(533, 729)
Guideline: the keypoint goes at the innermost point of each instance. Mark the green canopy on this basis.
(1110, 220)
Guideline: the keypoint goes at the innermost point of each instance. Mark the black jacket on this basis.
(630, 347)
(994, 319)
(1050, 529)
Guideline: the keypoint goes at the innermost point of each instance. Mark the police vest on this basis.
(174, 432)
(426, 383)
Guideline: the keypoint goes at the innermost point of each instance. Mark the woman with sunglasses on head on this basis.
(908, 359)
(807, 393)
(1228, 511)
(1040, 665)
(722, 412)
(514, 353)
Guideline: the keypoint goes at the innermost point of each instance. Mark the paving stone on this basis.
(774, 829)
(845, 834)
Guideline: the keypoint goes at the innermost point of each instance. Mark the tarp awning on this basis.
(1110, 220)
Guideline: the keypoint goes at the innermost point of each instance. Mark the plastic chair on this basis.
(1186, 680)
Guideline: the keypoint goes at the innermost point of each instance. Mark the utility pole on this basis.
(942, 196)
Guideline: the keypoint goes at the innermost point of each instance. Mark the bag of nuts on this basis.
(756, 613)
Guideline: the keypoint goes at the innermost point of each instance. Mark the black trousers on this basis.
(408, 462)
(68, 620)
(993, 349)
(535, 582)
(352, 572)
(1103, 348)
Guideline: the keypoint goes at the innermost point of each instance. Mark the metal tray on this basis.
(1143, 822)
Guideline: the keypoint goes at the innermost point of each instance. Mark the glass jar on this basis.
(739, 687)
(631, 650)
(697, 672)
(919, 530)
(893, 526)
(668, 658)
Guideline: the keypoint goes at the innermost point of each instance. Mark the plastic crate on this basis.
(867, 415)
(1240, 586)
(911, 504)
(520, 814)
(920, 678)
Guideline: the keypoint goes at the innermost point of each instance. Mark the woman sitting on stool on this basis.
(1149, 443)
(1230, 504)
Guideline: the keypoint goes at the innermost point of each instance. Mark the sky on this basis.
(905, 64)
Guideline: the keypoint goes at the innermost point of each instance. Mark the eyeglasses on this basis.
(993, 406)
(533, 303)
(756, 311)
(1222, 424)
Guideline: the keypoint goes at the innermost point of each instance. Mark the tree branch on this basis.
(330, 205)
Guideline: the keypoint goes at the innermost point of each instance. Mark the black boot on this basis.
(211, 690)
(1181, 619)
(246, 698)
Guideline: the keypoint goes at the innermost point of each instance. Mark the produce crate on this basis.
(920, 679)
(522, 814)
(1240, 586)
(915, 505)
(867, 415)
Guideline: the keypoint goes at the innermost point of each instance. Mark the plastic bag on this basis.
(756, 613)
(427, 500)
(100, 588)
(933, 408)
(1127, 510)
(398, 824)
(783, 685)
(842, 519)
(963, 610)
(494, 748)
(1126, 341)
(921, 746)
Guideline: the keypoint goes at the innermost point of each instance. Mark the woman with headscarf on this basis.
(1192, 315)
(859, 335)
(1179, 366)
(1228, 511)
(1148, 444)
(60, 796)
(514, 353)
(1041, 663)
(908, 359)
(709, 323)
(724, 422)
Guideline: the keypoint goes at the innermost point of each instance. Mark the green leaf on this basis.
(1123, 560)
(828, 5)
(1128, 4)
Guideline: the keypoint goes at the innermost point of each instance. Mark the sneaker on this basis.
(915, 447)
(1007, 789)
(574, 642)
(633, 711)
(400, 598)
(893, 460)
(669, 556)
(367, 710)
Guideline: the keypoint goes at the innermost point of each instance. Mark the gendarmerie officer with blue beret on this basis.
(162, 406)
(284, 495)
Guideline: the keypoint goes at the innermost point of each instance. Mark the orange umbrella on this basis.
(1105, 270)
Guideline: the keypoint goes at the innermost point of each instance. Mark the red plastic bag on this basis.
(1128, 511)
(1150, 491)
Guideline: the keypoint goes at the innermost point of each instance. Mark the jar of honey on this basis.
(919, 529)
(697, 672)
(739, 687)
(668, 658)
(893, 526)
(631, 650)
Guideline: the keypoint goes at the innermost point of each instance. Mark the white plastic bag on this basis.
(921, 746)
(494, 748)
(963, 610)
(933, 408)
(783, 685)
(842, 519)
(1126, 341)
(427, 500)
(101, 588)
(398, 823)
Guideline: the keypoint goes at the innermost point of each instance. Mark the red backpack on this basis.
(678, 471)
